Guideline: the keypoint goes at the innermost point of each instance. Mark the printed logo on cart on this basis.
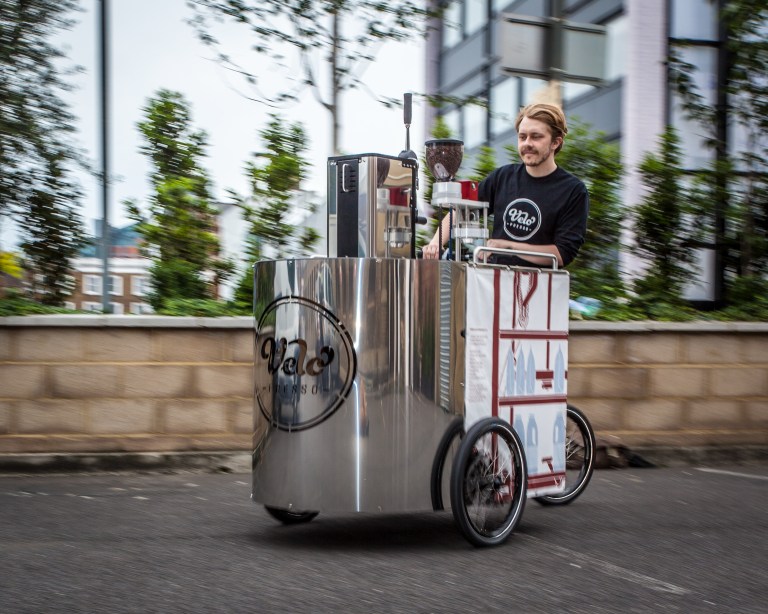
(522, 219)
(305, 364)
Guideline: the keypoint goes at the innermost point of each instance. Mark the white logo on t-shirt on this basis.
(522, 218)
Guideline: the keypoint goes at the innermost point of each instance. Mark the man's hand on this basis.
(430, 251)
(544, 249)
(503, 243)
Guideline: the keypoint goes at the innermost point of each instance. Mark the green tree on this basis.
(748, 88)
(734, 188)
(36, 154)
(275, 178)
(484, 163)
(342, 33)
(179, 229)
(57, 236)
(663, 237)
(597, 163)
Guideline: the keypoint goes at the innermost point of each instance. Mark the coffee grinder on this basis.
(470, 226)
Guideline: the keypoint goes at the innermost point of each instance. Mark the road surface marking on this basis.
(734, 473)
(614, 570)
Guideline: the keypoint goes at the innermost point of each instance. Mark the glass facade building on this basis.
(633, 105)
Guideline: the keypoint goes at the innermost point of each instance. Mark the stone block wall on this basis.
(149, 384)
(670, 384)
(125, 384)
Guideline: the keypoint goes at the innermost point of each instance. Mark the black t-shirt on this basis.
(549, 210)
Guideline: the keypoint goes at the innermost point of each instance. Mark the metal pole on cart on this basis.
(412, 162)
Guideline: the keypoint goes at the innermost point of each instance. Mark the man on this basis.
(536, 205)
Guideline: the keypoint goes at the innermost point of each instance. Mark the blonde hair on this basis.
(550, 114)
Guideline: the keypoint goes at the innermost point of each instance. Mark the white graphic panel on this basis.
(517, 362)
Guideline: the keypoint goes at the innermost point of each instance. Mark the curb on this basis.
(709, 456)
(138, 462)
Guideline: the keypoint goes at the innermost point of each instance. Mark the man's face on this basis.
(534, 142)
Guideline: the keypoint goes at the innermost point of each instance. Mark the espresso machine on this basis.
(371, 206)
(372, 202)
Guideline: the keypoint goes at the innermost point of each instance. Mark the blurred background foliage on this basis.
(177, 225)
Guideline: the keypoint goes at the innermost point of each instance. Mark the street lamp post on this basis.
(104, 83)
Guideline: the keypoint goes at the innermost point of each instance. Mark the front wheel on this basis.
(445, 449)
(489, 483)
(579, 458)
(289, 517)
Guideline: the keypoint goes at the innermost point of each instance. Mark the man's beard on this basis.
(537, 160)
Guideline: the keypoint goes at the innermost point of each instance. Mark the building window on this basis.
(574, 90)
(694, 19)
(498, 6)
(91, 306)
(453, 122)
(474, 126)
(92, 284)
(616, 48)
(140, 285)
(117, 308)
(70, 306)
(505, 104)
(462, 18)
(741, 140)
(141, 308)
(693, 135)
(452, 28)
(534, 90)
(116, 285)
(475, 17)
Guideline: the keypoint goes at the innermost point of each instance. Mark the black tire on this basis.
(579, 458)
(453, 433)
(489, 483)
(288, 517)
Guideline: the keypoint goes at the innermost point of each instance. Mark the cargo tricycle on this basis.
(386, 383)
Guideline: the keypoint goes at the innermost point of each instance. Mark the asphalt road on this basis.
(638, 540)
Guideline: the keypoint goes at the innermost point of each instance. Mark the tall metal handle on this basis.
(407, 108)
(511, 252)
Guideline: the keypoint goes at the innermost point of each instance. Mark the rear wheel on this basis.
(489, 483)
(289, 517)
(579, 458)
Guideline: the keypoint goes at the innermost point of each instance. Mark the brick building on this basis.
(128, 285)
(129, 279)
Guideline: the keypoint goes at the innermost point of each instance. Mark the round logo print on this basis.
(304, 364)
(522, 219)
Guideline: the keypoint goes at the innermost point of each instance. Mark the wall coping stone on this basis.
(124, 321)
(247, 322)
(650, 326)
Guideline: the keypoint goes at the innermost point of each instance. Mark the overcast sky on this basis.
(152, 47)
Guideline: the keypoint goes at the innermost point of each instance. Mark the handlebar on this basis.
(511, 252)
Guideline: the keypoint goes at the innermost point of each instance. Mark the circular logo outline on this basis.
(347, 344)
(538, 219)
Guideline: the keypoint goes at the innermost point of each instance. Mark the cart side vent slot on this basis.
(446, 296)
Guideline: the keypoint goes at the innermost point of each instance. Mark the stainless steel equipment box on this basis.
(371, 206)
